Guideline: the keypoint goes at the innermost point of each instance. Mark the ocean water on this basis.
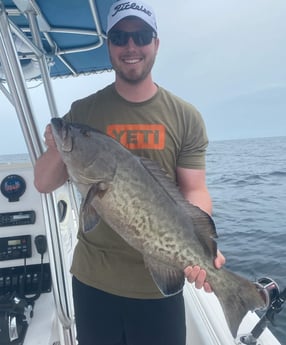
(247, 181)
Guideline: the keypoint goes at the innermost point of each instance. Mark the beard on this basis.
(133, 74)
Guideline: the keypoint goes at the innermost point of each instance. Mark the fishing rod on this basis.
(274, 300)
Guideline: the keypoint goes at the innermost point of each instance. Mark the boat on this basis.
(38, 231)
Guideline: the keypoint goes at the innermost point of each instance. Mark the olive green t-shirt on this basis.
(165, 129)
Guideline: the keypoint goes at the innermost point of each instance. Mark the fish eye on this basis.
(85, 132)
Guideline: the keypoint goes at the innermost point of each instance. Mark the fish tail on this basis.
(237, 298)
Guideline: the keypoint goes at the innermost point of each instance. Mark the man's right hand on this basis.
(50, 171)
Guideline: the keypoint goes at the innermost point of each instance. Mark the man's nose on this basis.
(131, 43)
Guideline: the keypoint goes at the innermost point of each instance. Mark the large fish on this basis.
(136, 198)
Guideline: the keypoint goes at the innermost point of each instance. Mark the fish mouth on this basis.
(59, 128)
(57, 124)
(61, 133)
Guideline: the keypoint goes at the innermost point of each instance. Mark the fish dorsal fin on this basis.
(205, 230)
(169, 280)
(89, 217)
(204, 226)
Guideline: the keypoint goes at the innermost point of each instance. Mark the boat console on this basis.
(26, 293)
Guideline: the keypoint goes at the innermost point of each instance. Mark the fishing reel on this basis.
(269, 290)
(274, 300)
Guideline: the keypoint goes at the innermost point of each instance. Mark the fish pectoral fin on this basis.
(96, 189)
(169, 280)
(89, 218)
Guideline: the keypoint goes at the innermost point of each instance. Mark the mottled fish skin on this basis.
(136, 198)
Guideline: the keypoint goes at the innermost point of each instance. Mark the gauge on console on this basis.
(13, 187)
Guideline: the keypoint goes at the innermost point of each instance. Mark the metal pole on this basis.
(43, 63)
(17, 87)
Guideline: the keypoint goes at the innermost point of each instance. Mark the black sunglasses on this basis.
(140, 38)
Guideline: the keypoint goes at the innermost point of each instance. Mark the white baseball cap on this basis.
(122, 9)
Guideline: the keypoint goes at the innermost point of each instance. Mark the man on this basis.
(116, 301)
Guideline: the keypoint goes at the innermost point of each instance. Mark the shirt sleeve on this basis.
(192, 154)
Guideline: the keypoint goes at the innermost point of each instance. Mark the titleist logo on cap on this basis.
(122, 9)
(131, 5)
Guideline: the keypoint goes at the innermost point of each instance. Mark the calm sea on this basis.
(247, 181)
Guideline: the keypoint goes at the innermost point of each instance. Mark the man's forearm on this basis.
(50, 172)
(200, 198)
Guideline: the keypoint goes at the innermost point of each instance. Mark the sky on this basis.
(226, 57)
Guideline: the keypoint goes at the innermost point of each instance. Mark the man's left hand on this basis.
(197, 275)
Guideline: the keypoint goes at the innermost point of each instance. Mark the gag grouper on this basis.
(136, 198)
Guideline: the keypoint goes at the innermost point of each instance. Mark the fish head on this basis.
(85, 151)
